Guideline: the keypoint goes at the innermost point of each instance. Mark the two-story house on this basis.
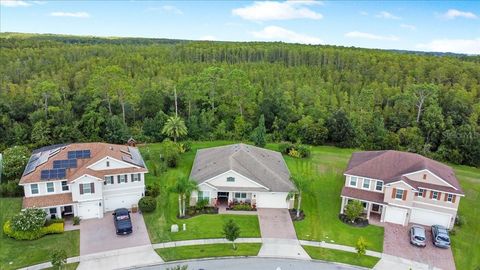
(402, 188)
(83, 179)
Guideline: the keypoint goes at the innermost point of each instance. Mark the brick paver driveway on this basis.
(276, 223)
(98, 235)
(397, 243)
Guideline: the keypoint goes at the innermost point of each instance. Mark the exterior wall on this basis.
(360, 180)
(399, 185)
(124, 188)
(431, 179)
(42, 188)
(98, 195)
(194, 195)
(426, 200)
(113, 164)
(240, 180)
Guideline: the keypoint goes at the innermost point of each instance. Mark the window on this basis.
(53, 210)
(424, 176)
(435, 195)
(379, 186)
(108, 180)
(86, 188)
(353, 181)
(230, 179)
(204, 195)
(135, 177)
(34, 188)
(366, 183)
(50, 187)
(65, 186)
(399, 194)
(241, 195)
(450, 198)
(122, 178)
(421, 192)
(108, 163)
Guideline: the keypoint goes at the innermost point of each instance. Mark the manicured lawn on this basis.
(331, 255)
(207, 251)
(203, 226)
(465, 244)
(24, 253)
(68, 266)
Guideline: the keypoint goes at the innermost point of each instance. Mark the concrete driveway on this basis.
(397, 243)
(98, 235)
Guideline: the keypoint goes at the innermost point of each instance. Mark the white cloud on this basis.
(454, 13)
(14, 3)
(387, 15)
(70, 14)
(208, 37)
(269, 10)
(363, 13)
(276, 33)
(363, 35)
(468, 46)
(408, 26)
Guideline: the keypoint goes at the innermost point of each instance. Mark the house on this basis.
(402, 188)
(83, 179)
(242, 173)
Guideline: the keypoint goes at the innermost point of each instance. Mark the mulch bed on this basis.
(359, 222)
(192, 212)
(293, 215)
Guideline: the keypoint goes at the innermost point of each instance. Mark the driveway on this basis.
(397, 243)
(98, 235)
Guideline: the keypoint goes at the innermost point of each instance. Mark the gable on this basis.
(425, 176)
(239, 180)
(112, 164)
(400, 185)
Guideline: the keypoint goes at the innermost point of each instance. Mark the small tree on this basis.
(301, 187)
(183, 187)
(59, 258)
(260, 133)
(361, 246)
(231, 231)
(175, 127)
(353, 210)
(14, 161)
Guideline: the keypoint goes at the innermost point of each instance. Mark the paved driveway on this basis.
(276, 223)
(397, 243)
(98, 235)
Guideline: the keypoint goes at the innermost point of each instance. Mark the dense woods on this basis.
(58, 89)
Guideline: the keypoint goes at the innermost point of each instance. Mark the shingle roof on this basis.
(47, 200)
(391, 165)
(362, 194)
(263, 166)
(98, 151)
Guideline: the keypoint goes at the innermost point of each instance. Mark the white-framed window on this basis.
(135, 177)
(230, 179)
(421, 192)
(87, 188)
(379, 186)
(366, 183)
(435, 195)
(50, 187)
(240, 195)
(122, 178)
(353, 181)
(34, 188)
(109, 180)
(204, 195)
(65, 186)
(449, 197)
(399, 194)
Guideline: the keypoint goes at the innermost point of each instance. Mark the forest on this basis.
(56, 89)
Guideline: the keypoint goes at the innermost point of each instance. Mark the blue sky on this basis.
(429, 26)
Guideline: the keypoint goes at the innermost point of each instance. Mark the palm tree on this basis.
(183, 187)
(174, 127)
(301, 187)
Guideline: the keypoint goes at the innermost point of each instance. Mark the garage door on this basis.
(125, 201)
(272, 200)
(395, 215)
(426, 217)
(88, 210)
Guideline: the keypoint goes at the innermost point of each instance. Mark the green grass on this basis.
(24, 253)
(203, 226)
(332, 255)
(207, 251)
(68, 266)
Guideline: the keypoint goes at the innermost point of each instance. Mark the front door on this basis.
(375, 208)
(222, 197)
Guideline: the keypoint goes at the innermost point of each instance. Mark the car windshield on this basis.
(444, 238)
(419, 232)
(420, 238)
(122, 217)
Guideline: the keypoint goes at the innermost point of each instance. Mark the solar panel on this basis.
(45, 174)
(65, 164)
(79, 154)
(53, 174)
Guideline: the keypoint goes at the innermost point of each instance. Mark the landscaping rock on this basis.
(174, 228)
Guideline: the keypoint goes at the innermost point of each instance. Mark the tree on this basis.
(29, 220)
(301, 186)
(361, 246)
(175, 127)
(47, 90)
(421, 94)
(41, 134)
(231, 231)
(14, 161)
(183, 187)
(116, 131)
(58, 258)
(340, 129)
(353, 210)
(260, 133)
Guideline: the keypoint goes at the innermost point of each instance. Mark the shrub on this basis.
(353, 210)
(170, 153)
(242, 207)
(187, 146)
(294, 153)
(201, 204)
(59, 258)
(11, 189)
(30, 219)
(361, 246)
(147, 204)
(303, 150)
(153, 190)
(76, 220)
(32, 235)
(54, 220)
(285, 147)
(459, 221)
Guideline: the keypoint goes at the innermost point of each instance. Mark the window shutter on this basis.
(439, 196)
(92, 187)
(139, 178)
(446, 197)
(404, 195)
(81, 189)
(453, 199)
(394, 190)
(126, 178)
(431, 194)
(424, 193)
(118, 179)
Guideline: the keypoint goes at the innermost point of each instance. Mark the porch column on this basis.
(382, 217)
(369, 208)
(343, 205)
(59, 212)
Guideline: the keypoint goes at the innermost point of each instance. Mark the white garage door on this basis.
(125, 201)
(426, 217)
(88, 210)
(395, 215)
(272, 200)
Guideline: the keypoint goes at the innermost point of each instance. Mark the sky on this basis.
(443, 26)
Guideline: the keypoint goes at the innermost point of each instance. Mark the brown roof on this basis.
(391, 165)
(362, 194)
(98, 151)
(417, 185)
(47, 200)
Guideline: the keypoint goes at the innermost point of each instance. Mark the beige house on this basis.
(402, 188)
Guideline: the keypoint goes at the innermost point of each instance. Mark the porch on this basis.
(229, 199)
(373, 211)
(61, 211)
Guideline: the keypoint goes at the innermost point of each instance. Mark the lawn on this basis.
(332, 255)
(207, 251)
(15, 254)
(203, 226)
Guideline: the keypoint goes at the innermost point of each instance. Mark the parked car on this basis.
(440, 236)
(418, 236)
(122, 220)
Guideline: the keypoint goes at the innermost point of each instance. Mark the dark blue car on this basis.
(123, 223)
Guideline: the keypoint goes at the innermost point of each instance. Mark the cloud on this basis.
(408, 26)
(167, 9)
(454, 13)
(276, 33)
(363, 35)
(269, 10)
(468, 46)
(70, 14)
(363, 13)
(387, 15)
(14, 3)
(208, 37)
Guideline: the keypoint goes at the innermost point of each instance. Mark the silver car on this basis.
(417, 236)
(440, 236)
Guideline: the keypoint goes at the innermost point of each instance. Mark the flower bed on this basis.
(53, 228)
(359, 222)
(293, 215)
(193, 211)
(241, 207)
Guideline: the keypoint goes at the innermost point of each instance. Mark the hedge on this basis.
(147, 204)
(32, 235)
